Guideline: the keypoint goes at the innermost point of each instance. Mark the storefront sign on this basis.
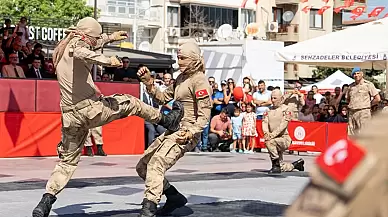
(46, 33)
(318, 58)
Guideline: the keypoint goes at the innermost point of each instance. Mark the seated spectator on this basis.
(105, 77)
(324, 113)
(220, 131)
(152, 130)
(16, 48)
(125, 73)
(310, 101)
(305, 114)
(315, 112)
(332, 116)
(13, 70)
(36, 71)
(344, 114)
(36, 54)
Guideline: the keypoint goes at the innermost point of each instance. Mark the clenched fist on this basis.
(183, 137)
(145, 75)
(115, 62)
(118, 36)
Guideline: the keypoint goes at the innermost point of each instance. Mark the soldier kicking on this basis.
(277, 140)
(193, 90)
(82, 109)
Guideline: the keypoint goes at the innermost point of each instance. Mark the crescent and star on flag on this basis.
(356, 12)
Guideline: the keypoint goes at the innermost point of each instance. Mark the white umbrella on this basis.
(365, 46)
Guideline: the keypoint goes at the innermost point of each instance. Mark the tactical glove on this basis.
(115, 61)
(118, 36)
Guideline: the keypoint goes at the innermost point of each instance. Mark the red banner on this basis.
(37, 134)
(309, 136)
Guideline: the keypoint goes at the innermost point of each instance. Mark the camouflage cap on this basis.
(89, 26)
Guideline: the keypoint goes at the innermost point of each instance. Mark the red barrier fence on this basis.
(37, 134)
(31, 123)
(25, 95)
(309, 136)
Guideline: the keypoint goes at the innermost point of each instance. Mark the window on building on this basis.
(277, 15)
(172, 16)
(316, 20)
(111, 9)
(122, 10)
(247, 16)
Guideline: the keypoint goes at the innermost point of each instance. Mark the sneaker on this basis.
(246, 152)
(240, 151)
(232, 151)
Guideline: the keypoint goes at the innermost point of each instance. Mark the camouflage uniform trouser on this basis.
(162, 154)
(358, 119)
(97, 136)
(276, 147)
(85, 115)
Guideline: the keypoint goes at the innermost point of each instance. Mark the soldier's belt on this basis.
(80, 105)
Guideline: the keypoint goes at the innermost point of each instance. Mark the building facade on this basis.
(164, 23)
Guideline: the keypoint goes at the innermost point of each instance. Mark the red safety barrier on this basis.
(17, 95)
(37, 134)
(25, 95)
(47, 96)
(308, 136)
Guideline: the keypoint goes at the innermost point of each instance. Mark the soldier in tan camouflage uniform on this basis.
(350, 178)
(359, 95)
(82, 109)
(277, 140)
(193, 90)
(294, 100)
(96, 133)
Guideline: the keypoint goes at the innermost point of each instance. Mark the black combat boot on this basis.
(174, 201)
(89, 151)
(173, 118)
(148, 209)
(44, 206)
(100, 151)
(275, 167)
(299, 165)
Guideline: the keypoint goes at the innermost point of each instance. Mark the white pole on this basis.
(134, 27)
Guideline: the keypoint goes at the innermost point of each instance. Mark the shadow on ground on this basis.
(220, 209)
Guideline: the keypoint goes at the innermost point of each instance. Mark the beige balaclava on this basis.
(87, 28)
(190, 59)
(276, 96)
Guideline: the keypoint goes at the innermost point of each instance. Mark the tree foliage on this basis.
(324, 72)
(58, 13)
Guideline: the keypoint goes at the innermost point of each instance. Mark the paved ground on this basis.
(216, 184)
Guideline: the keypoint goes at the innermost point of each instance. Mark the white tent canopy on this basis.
(364, 46)
(337, 79)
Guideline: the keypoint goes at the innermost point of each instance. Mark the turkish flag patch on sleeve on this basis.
(339, 159)
(199, 94)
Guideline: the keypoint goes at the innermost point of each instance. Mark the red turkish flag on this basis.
(340, 159)
(323, 9)
(304, 1)
(243, 3)
(349, 3)
(376, 12)
(201, 93)
(358, 10)
(256, 1)
(339, 9)
(306, 9)
(326, 1)
(386, 15)
(354, 17)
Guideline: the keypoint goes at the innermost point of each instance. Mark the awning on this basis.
(136, 57)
